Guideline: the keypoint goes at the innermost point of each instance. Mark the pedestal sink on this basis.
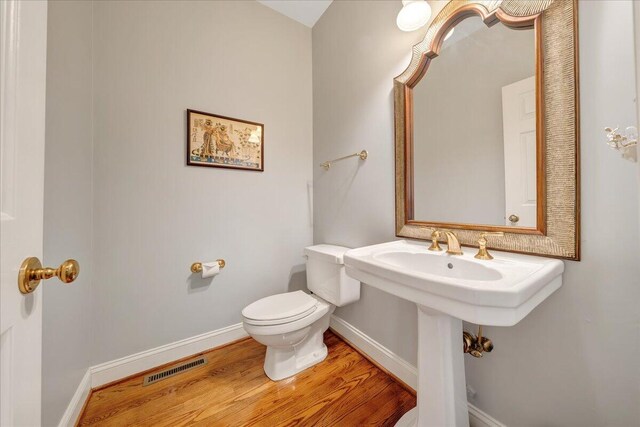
(449, 289)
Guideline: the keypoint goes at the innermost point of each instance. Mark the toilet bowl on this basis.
(294, 343)
(291, 325)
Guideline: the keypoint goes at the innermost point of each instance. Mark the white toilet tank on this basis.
(326, 276)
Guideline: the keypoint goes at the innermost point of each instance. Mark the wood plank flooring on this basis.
(346, 389)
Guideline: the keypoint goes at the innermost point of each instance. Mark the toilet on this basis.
(292, 324)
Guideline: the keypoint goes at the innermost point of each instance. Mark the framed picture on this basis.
(224, 142)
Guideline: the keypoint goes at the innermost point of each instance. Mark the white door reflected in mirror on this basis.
(474, 127)
(519, 130)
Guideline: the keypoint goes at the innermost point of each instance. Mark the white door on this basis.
(636, 26)
(519, 127)
(23, 48)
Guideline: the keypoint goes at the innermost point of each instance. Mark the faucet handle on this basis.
(483, 253)
(435, 235)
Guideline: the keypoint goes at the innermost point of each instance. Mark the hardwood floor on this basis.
(232, 390)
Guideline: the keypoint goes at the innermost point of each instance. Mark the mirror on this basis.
(486, 127)
(474, 127)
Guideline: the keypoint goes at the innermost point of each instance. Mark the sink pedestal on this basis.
(442, 398)
(446, 288)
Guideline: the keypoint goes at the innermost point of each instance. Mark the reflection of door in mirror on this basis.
(469, 167)
(519, 123)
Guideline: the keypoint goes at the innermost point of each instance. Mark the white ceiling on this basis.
(306, 12)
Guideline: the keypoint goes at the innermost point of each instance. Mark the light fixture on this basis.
(413, 15)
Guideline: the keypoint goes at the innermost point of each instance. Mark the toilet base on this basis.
(285, 361)
(281, 363)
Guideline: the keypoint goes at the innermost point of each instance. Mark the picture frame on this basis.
(224, 142)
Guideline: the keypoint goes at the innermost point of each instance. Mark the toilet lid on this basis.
(280, 307)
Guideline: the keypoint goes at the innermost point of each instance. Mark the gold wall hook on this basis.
(196, 267)
(31, 273)
(483, 253)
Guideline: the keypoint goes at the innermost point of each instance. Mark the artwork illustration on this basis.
(219, 141)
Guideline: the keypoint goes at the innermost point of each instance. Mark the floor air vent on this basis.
(174, 370)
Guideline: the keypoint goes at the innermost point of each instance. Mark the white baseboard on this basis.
(478, 418)
(118, 369)
(105, 373)
(121, 368)
(399, 367)
(77, 401)
(395, 364)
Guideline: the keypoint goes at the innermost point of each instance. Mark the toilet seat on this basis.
(288, 326)
(259, 322)
(280, 308)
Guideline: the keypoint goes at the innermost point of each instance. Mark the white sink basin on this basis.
(447, 290)
(498, 292)
(427, 263)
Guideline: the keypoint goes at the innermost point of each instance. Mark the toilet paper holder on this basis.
(196, 267)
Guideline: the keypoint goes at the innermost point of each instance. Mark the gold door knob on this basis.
(31, 273)
(514, 218)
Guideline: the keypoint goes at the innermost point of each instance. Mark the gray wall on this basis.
(357, 51)
(67, 319)
(458, 137)
(572, 361)
(137, 211)
(154, 216)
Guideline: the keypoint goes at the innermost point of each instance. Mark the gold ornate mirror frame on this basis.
(556, 34)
